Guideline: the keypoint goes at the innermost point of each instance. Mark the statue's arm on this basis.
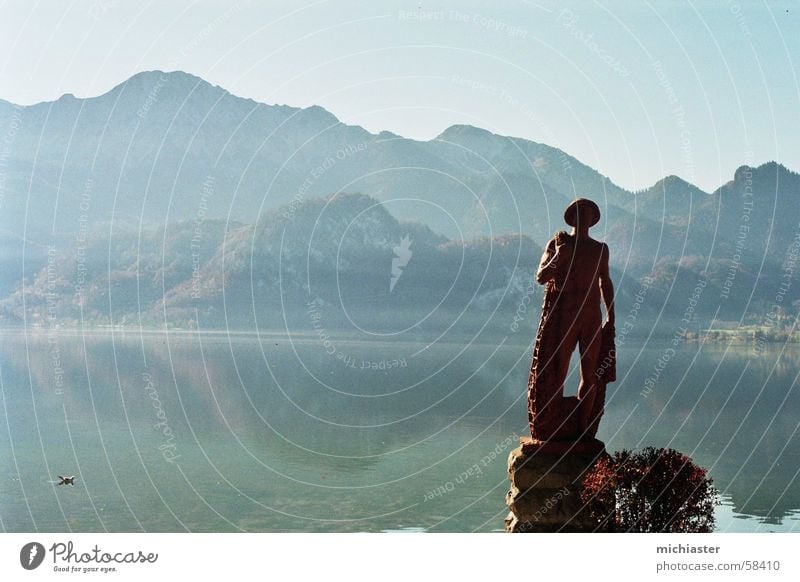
(606, 286)
(547, 266)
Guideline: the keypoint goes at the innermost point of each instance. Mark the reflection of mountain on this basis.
(285, 393)
(288, 424)
(163, 148)
(290, 442)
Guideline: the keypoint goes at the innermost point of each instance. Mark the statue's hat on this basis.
(571, 213)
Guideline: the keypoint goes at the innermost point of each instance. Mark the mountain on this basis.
(145, 149)
(165, 150)
(112, 272)
(149, 148)
(671, 200)
(342, 259)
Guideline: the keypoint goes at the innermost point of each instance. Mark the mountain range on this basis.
(167, 189)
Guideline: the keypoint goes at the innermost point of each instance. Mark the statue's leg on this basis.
(570, 336)
(567, 339)
(558, 342)
(590, 343)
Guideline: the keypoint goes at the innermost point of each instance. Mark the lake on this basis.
(283, 433)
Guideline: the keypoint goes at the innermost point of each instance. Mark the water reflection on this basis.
(278, 433)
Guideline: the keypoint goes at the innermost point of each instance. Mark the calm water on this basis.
(271, 433)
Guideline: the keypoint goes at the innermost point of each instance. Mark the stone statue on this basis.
(574, 270)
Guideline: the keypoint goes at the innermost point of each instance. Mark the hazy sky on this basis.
(635, 89)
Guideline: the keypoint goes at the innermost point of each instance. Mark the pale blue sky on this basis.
(635, 89)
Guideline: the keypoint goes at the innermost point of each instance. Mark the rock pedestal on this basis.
(545, 493)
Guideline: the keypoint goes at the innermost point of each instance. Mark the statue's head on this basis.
(582, 211)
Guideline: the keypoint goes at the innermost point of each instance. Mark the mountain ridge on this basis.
(451, 130)
(165, 149)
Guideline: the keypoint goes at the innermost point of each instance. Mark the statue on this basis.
(574, 270)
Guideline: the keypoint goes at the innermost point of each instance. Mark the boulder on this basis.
(545, 494)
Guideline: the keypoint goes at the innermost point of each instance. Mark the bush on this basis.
(655, 490)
